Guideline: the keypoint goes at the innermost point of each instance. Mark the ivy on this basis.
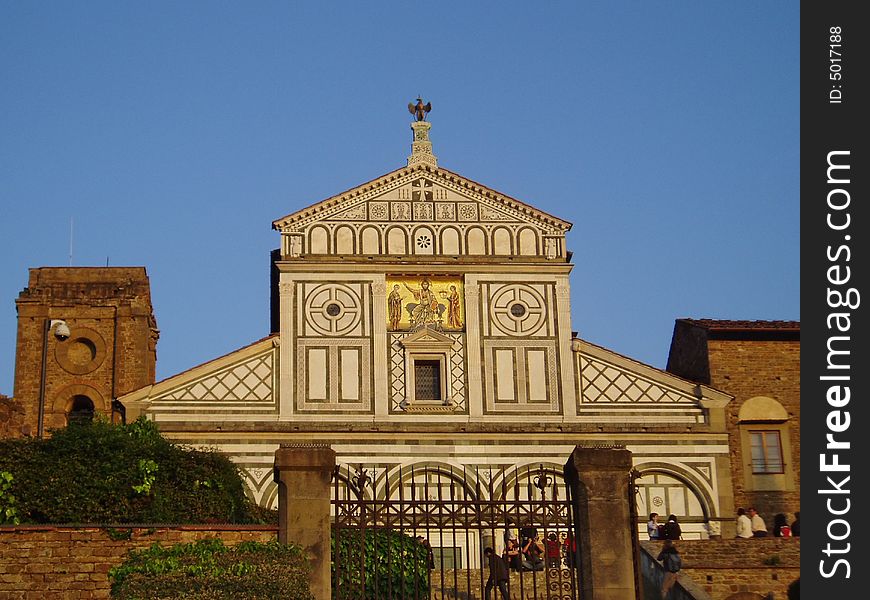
(114, 474)
(118, 535)
(379, 563)
(147, 468)
(8, 503)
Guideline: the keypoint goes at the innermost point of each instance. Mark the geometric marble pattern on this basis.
(602, 382)
(333, 309)
(249, 381)
(518, 309)
(397, 371)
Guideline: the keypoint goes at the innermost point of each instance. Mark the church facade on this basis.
(422, 318)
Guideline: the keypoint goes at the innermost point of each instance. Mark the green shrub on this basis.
(395, 565)
(102, 473)
(262, 515)
(208, 569)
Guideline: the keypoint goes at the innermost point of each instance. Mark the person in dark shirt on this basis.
(672, 563)
(796, 525)
(498, 574)
(672, 529)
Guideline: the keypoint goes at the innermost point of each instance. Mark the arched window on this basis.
(665, 493)
(82, 410)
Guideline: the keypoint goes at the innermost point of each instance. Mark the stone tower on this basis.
(109, 350)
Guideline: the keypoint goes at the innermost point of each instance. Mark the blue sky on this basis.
(173, 133)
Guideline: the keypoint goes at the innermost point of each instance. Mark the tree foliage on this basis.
(97, 472)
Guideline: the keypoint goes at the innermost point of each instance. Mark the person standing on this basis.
(498, 574)
(672, 563)
(395, 302)
(672, 529)
(652, 526)
(454, 321)
(759, 529)
(554, 551)
(744, 525)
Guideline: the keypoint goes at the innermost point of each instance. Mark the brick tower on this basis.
(758, 362)
(86, 335)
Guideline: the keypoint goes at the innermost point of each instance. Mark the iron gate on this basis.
(420, 532)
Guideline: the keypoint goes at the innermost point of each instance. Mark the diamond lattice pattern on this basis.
(603, 382)
(250, 381)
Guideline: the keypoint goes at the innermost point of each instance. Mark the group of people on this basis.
(525, 550)
(670, 530)
(750, 524)
(669, 556)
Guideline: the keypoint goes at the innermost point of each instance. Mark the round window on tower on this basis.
(82, 353)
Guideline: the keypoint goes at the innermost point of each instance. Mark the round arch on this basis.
(653, 472)
(67, 398)
(432, 478)
(519, 482)
(760, 409)
(270, 496)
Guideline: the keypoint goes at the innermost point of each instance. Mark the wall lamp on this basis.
(61, 333)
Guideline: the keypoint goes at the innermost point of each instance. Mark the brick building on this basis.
(86, 336)
(757, 362)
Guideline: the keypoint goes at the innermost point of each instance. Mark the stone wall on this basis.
(45, 562)
(760, 368)
(111, 349)
(723, 568)
(748, 359)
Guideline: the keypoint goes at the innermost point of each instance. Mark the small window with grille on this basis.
(427, 380)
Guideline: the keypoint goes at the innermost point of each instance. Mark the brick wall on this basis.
(748, 359)
(760, 368)
(39, 562)
(726, 567)
(111, 351)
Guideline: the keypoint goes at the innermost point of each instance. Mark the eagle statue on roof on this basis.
(419, 110)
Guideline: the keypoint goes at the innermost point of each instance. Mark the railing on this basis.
(420, 531)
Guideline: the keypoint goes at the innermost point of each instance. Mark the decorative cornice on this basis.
(304, 445)
(334, 204)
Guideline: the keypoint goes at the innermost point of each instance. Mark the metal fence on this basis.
(420, 531)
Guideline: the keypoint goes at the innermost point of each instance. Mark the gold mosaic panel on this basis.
(414, 302)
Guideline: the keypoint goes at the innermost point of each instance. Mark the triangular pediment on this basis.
(422, 194)
(427, 337)
(244, 378)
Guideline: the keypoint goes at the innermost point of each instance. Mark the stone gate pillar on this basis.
(303, 473)
(599, 478)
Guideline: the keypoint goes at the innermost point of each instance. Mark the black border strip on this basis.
(834, 219)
